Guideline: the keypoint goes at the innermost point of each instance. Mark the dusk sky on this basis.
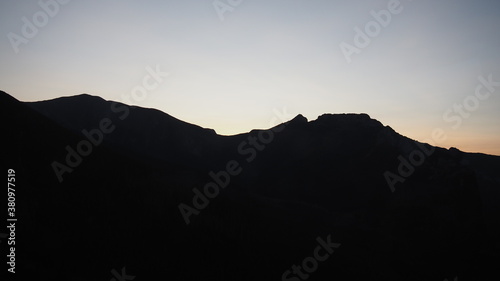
(413, 65)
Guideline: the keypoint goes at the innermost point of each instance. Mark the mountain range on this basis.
(105, 188)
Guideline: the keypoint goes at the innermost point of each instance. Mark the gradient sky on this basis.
(233, 74)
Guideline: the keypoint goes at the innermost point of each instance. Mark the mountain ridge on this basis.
(334, 118)
(298, 181)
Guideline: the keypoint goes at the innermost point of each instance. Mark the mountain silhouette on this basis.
(102, 186)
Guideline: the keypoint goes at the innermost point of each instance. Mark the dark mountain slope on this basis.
(168, 135)
(119, 207)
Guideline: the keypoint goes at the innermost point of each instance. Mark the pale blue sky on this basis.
(232, 75)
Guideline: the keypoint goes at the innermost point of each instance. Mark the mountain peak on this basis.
(299, 119)
(83, 96)
(348, 119)
(345, 116)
